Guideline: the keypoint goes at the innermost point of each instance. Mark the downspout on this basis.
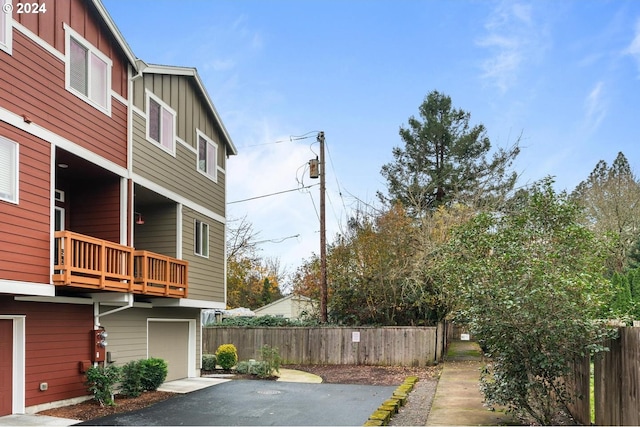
(96, 310)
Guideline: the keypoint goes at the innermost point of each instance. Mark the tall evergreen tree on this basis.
(445, 159)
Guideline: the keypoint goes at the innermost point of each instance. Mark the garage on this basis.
(6, 366)
(171, 340)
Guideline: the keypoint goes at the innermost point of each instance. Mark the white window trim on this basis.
(164, 105)
(16, 160)
(7, 46)
(212, 174)
(69, 33)
(197, 251)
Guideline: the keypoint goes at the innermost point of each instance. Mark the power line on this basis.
(280, 240)
(280, 141)
(272, 194)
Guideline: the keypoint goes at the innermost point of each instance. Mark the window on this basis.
(8, 170)
(202, 239)
(207, 157)
(88, 72)
(161, 124)
(6, 21)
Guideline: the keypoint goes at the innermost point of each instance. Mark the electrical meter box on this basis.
(99, 338)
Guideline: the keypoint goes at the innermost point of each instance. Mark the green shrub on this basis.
(101, 380)
(266, 320)
(244, 367)
(154, 372)
(227, 356)
(271, 360)
(209, 362)
(131, 382)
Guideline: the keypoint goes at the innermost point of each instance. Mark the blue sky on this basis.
(565, 75)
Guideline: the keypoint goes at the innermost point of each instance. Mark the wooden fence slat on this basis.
(401, 346)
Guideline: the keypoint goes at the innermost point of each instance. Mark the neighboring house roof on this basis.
(281, 301)
(117, 35)
(190, 72)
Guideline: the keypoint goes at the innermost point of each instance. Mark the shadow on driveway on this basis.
(260, 403)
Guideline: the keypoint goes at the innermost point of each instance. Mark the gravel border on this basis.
(416, 411)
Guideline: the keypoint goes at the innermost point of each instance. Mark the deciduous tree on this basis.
(532, 282)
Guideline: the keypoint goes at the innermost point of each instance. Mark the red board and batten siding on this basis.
(25, 237)
(96, 209)
(33, 80)
(33, 84)
(85, 21)
(57, 338)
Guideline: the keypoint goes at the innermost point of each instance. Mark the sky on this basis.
(561, 78)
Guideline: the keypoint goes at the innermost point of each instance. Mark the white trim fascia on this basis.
(52, 209)
(54, 299)
(18, 363)
(179, 234)
(187, 302)
(137, 110)
(186, 145)
(27, 288)
(115, 32)
(37, 40)
(177, 198)
(124, 199)
(53, 138)
(193, 72)
(191, 344)
(115, 95)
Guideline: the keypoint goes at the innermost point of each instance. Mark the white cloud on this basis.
(634, 48)
(513, 40)
(595, 107)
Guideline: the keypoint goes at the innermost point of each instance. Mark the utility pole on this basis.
(323, 235)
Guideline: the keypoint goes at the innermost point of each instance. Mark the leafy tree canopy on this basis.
(532, 283)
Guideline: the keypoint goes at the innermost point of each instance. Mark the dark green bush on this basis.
(227, 356)
(209, 362)
(131, 383)
(266, 320)
(154, 372)
(101, 380)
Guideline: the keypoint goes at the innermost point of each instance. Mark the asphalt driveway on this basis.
(260, 403)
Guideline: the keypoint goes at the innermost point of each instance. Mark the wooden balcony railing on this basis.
(86, 262)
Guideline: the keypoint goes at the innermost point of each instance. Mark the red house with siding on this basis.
(66, 198)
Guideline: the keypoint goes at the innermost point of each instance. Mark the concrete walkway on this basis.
(458, 400)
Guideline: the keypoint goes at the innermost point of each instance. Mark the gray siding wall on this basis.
(206, 275)
(127, 331)
(158, 234)
(178, 174)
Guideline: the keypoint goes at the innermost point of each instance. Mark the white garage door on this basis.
(170, 341)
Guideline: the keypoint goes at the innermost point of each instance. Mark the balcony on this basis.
(86, 262)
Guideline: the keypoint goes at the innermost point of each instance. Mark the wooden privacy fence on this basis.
(399, 346)
(616, 383)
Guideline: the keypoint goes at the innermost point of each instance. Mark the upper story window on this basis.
(201, 234)
(6, 24)
(207, 156)
(88, 72)
(8, 170)
(161, 124)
